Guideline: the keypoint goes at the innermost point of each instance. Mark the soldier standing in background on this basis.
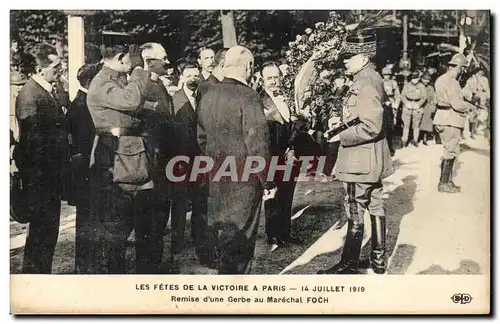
(391, 107)
(426, 126)
(124, 191)
(364, 158)
(450, 119)
(413, 96)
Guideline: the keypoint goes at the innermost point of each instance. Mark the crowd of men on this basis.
(106, 152)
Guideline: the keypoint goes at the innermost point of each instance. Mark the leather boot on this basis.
(444, 184)
(350, 254)
(377, 256)
(450, 181)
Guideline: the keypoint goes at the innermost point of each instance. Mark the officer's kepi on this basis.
(361, 43)
(154, 51)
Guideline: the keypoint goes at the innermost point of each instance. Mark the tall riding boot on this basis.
(450, 178)
(350, 254)
(377, 257)
(444, 185)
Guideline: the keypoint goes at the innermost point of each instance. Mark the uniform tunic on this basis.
(413, 97)
(450, 114)
(364, 158)
(122, 178)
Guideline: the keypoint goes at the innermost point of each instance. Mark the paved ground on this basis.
(428, 232)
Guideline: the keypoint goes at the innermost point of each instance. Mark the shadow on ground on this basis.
(466, 267)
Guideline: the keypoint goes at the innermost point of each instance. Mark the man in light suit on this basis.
(364, 157)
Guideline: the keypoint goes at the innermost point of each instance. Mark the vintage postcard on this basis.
(250, 161)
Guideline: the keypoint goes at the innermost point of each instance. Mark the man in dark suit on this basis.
(125, 194)
(215, 77)
(278, 116)
(82, 132)
(40, 157)
(186, 119)
(232, 125)
(206, 62)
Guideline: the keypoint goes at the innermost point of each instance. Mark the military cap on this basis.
(362, 43)
(17, 78)
(415, 75)
(458, 59)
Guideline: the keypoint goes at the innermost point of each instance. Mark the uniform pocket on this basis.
(356, 159)
(131, 163)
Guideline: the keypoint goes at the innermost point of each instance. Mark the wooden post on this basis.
(228, 28)
(405, 36)
(76, 51)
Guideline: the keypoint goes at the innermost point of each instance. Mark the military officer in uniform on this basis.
(391, 89)
(124, 187)
(364, 159)
(450, 118)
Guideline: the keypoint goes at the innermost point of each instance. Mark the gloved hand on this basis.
(136, 59)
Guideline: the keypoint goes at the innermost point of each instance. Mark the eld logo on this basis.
(461, 298)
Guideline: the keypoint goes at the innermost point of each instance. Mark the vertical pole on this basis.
(76, 51)
(228, 28)
(405, 36)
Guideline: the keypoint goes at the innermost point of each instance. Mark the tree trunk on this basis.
(228, 28)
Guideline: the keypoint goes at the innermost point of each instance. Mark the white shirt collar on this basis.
(205, 74)
(189, 93)
(238, 79)
(83, 89)
(41, 81)
(280, 103)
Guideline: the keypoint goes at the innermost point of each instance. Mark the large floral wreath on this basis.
(315, 82)
(314, 73)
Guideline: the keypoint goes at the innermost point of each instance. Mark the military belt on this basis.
(121, 131)
(443, 107)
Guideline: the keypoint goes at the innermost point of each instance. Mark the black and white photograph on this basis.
(251, 142)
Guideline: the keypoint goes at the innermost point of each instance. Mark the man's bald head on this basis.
(239, 61)
(238, 56)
